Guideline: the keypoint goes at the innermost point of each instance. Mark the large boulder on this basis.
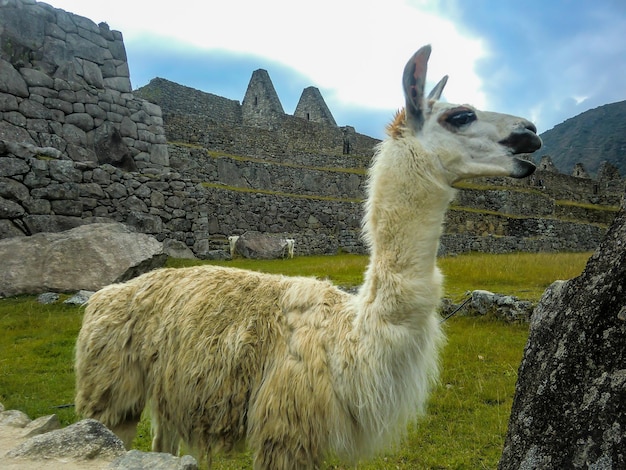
(257, 245)
(88, 439)
(88, 444)
(569, 409)
(87, 257)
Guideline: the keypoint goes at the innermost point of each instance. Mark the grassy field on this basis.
(467, 413)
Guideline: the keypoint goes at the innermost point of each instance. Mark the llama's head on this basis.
(468, 142)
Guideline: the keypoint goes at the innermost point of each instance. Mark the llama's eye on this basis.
(461, 118)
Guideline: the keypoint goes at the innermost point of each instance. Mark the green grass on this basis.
(467, 414)
(525, 275)
(584, 205)
(36, 356)
(344, 270)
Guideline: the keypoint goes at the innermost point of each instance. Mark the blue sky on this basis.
(543, 60)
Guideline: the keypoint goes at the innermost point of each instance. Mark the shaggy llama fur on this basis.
(294, 365)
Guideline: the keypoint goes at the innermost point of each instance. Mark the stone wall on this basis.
(191, 102)
(66, 85)
(77, 146)
(309, 175)
(293, 137)
(39, 193)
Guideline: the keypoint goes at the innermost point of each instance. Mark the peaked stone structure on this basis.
(312, 107)
(261, 106)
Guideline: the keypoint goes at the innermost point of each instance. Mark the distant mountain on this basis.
(589, 138)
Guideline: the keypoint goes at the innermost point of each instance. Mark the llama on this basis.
(232, 243)
(290, 246)
(295, 366)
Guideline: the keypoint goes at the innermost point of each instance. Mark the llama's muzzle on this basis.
(523, 140)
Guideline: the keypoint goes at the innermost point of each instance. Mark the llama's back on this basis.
(197, 342)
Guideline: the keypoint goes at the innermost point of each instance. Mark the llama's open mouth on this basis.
(523, 168)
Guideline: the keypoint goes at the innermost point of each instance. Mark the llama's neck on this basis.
(403, 223)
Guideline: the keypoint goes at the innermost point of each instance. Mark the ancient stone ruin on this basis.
(77, 144)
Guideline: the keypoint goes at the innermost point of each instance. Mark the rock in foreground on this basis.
(569, 409)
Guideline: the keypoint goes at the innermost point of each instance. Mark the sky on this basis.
(544, 60)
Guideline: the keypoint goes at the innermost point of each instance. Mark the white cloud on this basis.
(353, 49)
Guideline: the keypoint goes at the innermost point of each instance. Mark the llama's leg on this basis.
(126, 431)
(280, 456)
(165, 438)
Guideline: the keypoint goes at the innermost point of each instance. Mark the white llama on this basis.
(232, 243)
(295, 366)
(291, 243)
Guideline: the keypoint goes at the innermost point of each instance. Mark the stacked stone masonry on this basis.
(78, 146)
(66, 86)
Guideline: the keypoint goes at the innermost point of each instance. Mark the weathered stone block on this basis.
(95, 111)
(10, 209)
(74, 134)
(37, 206)
(159, 155)
(69, 208)
(8, 102)
(11, 189)
(12, 82)
(8, 229)
(10, 166)
(121, 84)
(64, 171)
(92, 74)
(91, 190)
(128, 128)
(117, 190)
(145, 223)
(32, 109)
(81, 120)
(36, 78)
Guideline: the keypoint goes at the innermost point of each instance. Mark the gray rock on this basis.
(36, 78)
(568, 410)
(42, 425)
(12, 82)
(14, 418)
(64, 171)
(8, 229)
(505, 307)
(111, 148)
(80, 298)
(177, 249)
(218, 255)
(10, 166)
(85, 440)
(258, 245)
(136, 460)
(87, 257)
(48, 298)
(11, 189)
(10, 209)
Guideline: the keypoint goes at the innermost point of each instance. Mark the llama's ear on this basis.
(435, 94)
(413, 81)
